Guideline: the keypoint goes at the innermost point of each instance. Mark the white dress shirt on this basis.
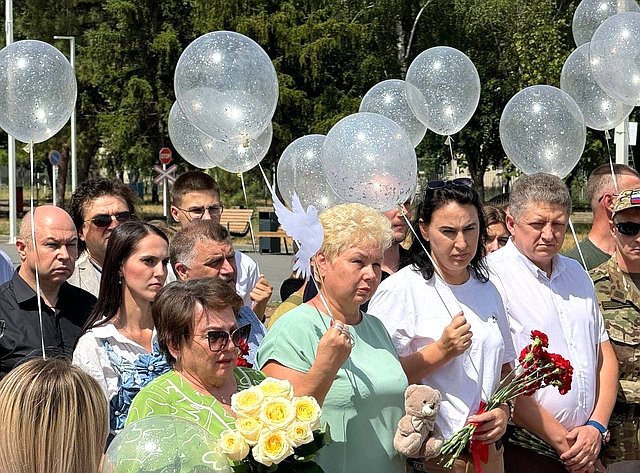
(565, 307)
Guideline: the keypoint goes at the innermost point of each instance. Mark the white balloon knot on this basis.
(244, 140)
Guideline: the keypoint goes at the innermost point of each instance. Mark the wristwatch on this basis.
(604, 432)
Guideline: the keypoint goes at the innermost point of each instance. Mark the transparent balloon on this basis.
(446, 89)
(389, 98)
(226, 86)
(238, 154)
(614, 57)
(37, 90)
(164, 444)
(542, 130)
(369, 159)
(600, 110)
(186, 139)
(592, 13)
(300, 171)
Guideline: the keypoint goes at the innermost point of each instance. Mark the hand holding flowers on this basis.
(275, 431)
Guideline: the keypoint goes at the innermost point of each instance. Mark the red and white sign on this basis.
(169, 174)
(165, 155)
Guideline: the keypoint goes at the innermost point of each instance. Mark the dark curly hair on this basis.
(90, 190)
(432, 200)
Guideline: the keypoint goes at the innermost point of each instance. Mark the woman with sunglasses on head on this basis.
(198, 333)
(617, 285)
(448, 323)
(119, 347)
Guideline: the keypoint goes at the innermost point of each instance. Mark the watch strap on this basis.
(594, 423)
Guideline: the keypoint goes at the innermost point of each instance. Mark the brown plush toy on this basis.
(418, 435)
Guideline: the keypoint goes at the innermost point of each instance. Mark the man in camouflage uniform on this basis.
(617, 287)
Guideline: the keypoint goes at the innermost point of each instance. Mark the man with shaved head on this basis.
(64, 307)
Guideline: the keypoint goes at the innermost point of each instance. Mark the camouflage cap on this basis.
(627, 199)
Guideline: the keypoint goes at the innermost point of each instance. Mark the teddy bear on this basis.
(417, 435)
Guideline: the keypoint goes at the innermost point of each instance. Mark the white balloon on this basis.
(369, 159)
(238, 154)
(446, 89)
(613, 52)
(590, 14)
(542, 130)
(226, 86)
(37, 90)
(300, 171)
(389, 98)
(186, 139)
(601, 111)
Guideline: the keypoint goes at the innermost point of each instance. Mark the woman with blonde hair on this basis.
(331, 350)
(54, 419)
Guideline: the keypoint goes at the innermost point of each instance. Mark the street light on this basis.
(74, 161)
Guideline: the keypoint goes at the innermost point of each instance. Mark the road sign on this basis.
(165, 155)
(168, 174)
(55, 157)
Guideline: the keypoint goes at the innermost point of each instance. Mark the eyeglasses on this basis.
(602, 196)
(196, 213)
(104, 220)
(458, 182)
(218, 339)
(628, 228)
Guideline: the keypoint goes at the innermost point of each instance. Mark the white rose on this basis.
(273, 446)
(300, 433)
(307, 410)
(277, 413)
(247, 402)
(249, 428)
(273, 387)
(233, 445)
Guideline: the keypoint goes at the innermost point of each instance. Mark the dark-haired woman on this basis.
(451, 332)
(119, 347)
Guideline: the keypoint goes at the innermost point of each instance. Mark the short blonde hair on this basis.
(353, 225)
(54, 418)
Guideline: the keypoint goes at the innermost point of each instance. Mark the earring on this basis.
(120, 278)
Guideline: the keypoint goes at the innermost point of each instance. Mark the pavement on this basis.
(276, 267)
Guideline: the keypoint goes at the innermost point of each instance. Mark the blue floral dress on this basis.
(121, 366)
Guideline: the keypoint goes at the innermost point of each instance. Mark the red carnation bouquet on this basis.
(243, 351)
(537, 369)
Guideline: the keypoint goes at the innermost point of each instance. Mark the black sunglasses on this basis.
(628, 228)
(458, 182)
(104, 220)
(218, 339)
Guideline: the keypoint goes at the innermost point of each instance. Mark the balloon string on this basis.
(607, 138)
(266, 181)
(575, 238)
(246, 201)
(35, 249)
(449, 142)
(438, 273)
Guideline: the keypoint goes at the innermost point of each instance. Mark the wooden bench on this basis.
(237, 221)
(279, 233)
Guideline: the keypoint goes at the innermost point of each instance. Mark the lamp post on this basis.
(74, 160)
(11, 142)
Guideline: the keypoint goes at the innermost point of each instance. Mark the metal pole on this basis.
(74, 159)
(621, 140)
(165, 194)
(55, 185)
(11, 142)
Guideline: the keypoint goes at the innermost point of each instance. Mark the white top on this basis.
(415, 316)
(247, 277)
(6, 267)
(564, 307)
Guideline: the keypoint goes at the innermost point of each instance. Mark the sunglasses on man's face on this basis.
(104, 220)
(458, 182)
(219, 339)
(628, 228)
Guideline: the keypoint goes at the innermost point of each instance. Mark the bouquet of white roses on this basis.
(275, 431)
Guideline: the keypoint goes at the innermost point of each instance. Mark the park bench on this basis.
(237, 221)
(279, 233)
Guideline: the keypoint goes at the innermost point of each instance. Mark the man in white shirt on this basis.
(545, 291)
(194, 196)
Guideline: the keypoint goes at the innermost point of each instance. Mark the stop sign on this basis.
(165, 155)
